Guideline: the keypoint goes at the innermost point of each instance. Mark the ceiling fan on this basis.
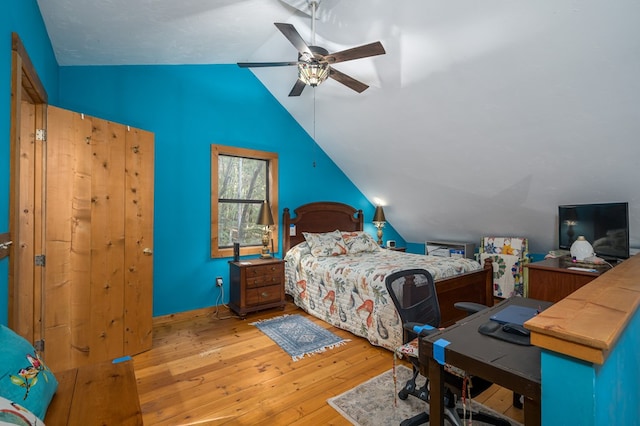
(314, 62)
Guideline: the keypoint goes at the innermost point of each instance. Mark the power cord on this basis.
(220, 302)
(466, 400)
(610, 265)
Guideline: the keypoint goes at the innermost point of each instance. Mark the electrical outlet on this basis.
(219, 281)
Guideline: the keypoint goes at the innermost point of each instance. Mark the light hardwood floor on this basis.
(208, 371)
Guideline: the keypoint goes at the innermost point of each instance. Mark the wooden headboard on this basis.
(323, 216)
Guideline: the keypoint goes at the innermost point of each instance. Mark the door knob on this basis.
(147, 251)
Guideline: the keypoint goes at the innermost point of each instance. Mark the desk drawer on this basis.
(263, 295)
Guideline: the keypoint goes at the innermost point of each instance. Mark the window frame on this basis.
(272, 194)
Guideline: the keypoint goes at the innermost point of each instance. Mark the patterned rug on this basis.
(372, 402)
(299, 336)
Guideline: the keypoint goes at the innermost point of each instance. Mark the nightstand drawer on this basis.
(258, 270)
(268, 278)
(263, 295)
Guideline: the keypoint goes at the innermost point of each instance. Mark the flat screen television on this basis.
(605, 226)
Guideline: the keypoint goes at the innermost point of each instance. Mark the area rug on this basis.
(373, 402)
(299, 336)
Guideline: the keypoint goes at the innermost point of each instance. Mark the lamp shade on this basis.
(581, 249)
(313, 73)
(264, 216)
(378, 216)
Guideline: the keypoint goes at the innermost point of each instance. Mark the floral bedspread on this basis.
(348, 291)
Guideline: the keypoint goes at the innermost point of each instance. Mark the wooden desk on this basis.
(96, 395)
(551, 280)
(512, 366)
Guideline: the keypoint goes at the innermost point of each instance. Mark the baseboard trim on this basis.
(187, 315)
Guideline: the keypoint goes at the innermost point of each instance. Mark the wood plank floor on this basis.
(208, 371)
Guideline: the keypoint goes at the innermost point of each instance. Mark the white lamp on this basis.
(581, 249)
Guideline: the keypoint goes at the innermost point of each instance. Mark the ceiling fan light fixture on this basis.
(313, 74)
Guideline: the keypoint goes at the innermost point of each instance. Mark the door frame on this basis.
(26, 198)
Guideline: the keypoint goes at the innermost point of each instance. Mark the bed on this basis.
(338, 273)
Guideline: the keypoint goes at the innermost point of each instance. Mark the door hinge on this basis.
(40, 260)
(41, 135)
(39, 345)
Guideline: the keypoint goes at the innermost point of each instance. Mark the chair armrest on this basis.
(419, 329)
(470, 307)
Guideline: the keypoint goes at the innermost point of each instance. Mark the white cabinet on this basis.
(450, 248)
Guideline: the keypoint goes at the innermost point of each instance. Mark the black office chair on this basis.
(414, 295)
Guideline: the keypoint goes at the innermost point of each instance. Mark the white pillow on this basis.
(359, 242)
(15, 414)
(326, 244)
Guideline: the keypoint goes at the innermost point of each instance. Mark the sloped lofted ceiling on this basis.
(481, 118)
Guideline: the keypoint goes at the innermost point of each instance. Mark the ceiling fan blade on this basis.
(350, 82)
(265, 64)
(297, 88)
(294, 37)
(364, 51)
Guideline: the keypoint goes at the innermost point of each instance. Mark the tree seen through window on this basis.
(240, 181)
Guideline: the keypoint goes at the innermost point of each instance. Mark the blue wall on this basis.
(188, 108)
(575, 392)
(22, 17)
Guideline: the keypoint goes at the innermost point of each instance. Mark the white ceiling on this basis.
(482, 117)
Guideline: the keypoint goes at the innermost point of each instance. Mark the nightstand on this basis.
(256, 284)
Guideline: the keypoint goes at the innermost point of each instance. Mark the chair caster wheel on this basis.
(403, 394)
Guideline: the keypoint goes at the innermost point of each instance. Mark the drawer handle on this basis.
(265, 294)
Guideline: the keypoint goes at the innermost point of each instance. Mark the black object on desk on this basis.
(514, 314)
(512, 333)
(513, 366)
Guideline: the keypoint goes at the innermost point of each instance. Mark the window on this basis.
(241, 179)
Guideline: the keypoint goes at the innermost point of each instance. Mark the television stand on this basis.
(552, 280)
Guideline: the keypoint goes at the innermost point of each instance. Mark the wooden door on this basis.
(97, 292)
(83, 199)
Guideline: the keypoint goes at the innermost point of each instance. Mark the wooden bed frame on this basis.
(327, 216)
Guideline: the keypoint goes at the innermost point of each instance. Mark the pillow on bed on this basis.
(359, 242)
(15, 414)
(23, 376)
(301, 249)
(326, 244)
